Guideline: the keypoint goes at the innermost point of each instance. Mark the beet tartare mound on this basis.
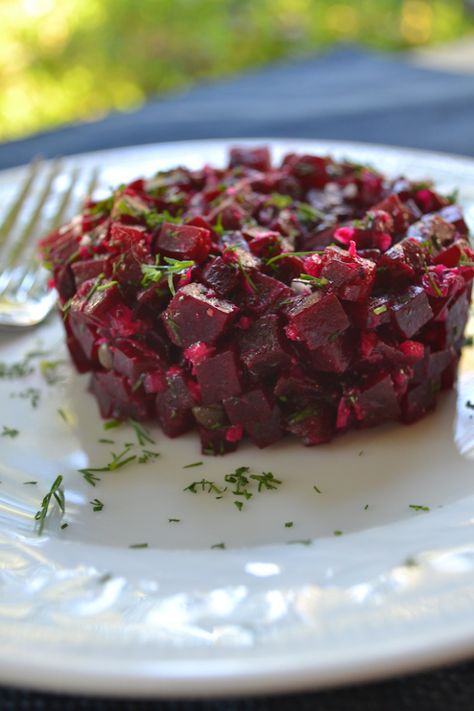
(309, 298)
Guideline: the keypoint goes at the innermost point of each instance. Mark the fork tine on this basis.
(12, 214)
(28, 230)
(94, 179)
(65, 201)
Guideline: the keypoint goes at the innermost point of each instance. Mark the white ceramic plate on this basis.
(82, 611)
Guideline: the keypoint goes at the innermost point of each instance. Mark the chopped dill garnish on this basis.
(205, 485)
(111, 424)
(147, 456)
(155, 272)
(221, 546)
(300, 541)
(337, 533)
(96, 504)
(57, 494)
(141, 433)
(31, 394)
(418, 507)
(266, 480)
(9, 432)
(174, 520)
(138, 545)
(117, 462)
(289, 524)
(193, 464)
(317, 489)
(49, 371)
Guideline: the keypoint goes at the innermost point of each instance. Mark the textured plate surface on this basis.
(280, 607)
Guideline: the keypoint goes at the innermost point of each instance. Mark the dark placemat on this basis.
(447, 690)
(344, 95)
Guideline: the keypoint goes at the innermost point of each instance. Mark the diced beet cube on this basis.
(174, 403)
(316, 319)
(456, 320)
(118, 396)
(89, 269)
(183, 242)
(64, 283)
(95, 302)
(311, 171)
(439, 361)
(454, 254)
(85, 335)
(256, 158)
(297, 387)
(127, 236)
(377, 402)
(397, 210)
(263, 292)
(134, 245)
(215, 442)
(154, 381)
(419, 400)
(222, 276)
(351, 277)
(335, 356)
(257, 415)
(403, 261)
(370, 314)
(195, 314)
(429, 200)
(133, 359)
(410, 311)
(83, 365)
(313, 424)
(262, 347)
(151, 301)
(453, 214)
(433, 229)
(218, 377)
(173, 422)
(59, 247)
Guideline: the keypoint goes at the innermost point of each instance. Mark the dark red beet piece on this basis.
(183, 242)
(262, 347)
(377, 402)
(257, 158)
(133, 360)
(218, 377)
(411, 311)
(222, 276)
(195, 314)
(316, 319)
(313, 424)
(335, 356)
(263, 292)
(174, 403)
(257, 415)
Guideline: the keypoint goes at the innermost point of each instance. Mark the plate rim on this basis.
(310, 676)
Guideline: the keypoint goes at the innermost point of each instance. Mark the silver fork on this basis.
(25, 298)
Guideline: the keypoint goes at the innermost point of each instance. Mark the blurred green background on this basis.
(65, 60)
